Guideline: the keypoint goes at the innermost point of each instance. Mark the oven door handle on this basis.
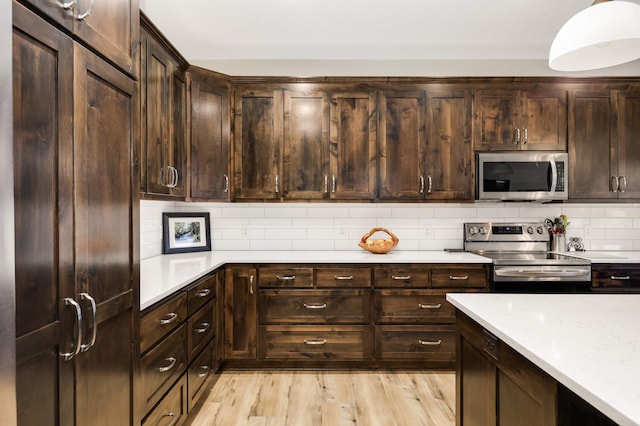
(540, 273)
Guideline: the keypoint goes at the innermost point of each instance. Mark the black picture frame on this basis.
(185, 232)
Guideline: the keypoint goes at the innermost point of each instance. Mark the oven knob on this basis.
(530, 230)
(482, 230)
(540, 230)
(473, 230)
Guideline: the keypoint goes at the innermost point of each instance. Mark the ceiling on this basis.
(368, 37)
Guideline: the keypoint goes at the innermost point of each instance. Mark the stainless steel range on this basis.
(521, 259)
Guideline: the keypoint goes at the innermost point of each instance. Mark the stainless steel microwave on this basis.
(522, 176)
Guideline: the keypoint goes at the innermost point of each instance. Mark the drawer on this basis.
(315, 342)
(615, 278)
(412, 306)
(286, 277)
(199, 371)
(471, 276)
(315, 306)
(204, 291)
(172, 409)
(435, 343)
(343, 277)
(162, 365)
(404, 277)
(161, 321)
(201, 329)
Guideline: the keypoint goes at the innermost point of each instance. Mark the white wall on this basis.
(328, 226)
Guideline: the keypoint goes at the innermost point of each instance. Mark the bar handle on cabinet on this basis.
(430, 342)
(422, 184)
(315, 341)
(277, 187)
(226, 183)
(176, 177)
(206, 370)
(343, 278)
(429, 185)
(85, 15)
(401, 278)
(204, 326)
(169, 318)
(172, 363)
(94, 328)
(285, 277)
(526, 136)
(615, 183)
(458, 277)
(326, 184)
(429, 306)
(621, 278)
(172, 416)
(517, 140)
(315, 305)
(623, 183)
(68, 301)
(68, 5)
(251, 284)
(203, 293)
(333, 183)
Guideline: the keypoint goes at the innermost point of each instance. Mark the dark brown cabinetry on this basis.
(240, 312)
(521, 120)
(163, 118)
(603, 155)
(209, 147)
(74, 183)
(615, 278)
(110, 27)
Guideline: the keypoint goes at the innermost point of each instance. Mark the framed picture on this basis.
(185, 232)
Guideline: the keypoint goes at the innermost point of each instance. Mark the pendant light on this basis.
(605, 34)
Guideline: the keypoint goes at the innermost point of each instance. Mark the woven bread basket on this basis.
(378, 246)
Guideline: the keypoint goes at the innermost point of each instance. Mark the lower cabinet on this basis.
(172, 410)
(615, 278)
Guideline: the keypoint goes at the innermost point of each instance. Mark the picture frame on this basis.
(185, 232)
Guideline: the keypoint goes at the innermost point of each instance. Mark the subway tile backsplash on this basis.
(304, 226)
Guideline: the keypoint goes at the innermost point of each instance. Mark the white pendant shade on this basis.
(602, 35)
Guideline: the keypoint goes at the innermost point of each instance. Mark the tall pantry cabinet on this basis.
(77, 279)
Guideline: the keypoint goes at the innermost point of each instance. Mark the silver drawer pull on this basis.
(343, 278)
(626, 277)
(315, 306)
(173, 418)
(401, 278)
(203, 293)
(315, 342)
(286, 277)
(205, 371)
(204, 326)
(169, 318)
(430, 342)
(463, 277)
(172, 363)
(429, 306)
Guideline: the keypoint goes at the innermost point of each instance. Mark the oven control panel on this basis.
(506, 232)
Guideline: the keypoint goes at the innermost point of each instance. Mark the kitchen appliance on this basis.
(522, 176)
(521, 261)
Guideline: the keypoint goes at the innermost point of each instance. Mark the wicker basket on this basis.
(378, 246)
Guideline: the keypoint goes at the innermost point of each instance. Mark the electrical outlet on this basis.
(245, 230)
(342, 230)
(427, 231)
(587, 230)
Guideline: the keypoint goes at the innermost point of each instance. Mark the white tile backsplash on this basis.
(304, 226)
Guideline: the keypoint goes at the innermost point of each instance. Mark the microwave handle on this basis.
(554, 176)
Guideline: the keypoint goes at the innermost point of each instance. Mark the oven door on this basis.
(541, 279)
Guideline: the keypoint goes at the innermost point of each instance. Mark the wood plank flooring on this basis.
(331, 398)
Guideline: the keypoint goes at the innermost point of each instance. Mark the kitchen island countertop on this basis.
(160, 276)
(589, 343)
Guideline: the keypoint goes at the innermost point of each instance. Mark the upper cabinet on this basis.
(108, 26)
(507, 120)
(209, 147)
(163, 119)
(603, 151)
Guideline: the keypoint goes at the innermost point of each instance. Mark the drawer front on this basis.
(162, 365)
(161, 321)
(199, 371)
(471, 276)
(412, 306)
(616, 278)
(315, 342)
(315, 306)
(202, 293)
(286, 277)
(435, 343)
(404, 277)
(201, 329)
(343, 277)
(172, 409)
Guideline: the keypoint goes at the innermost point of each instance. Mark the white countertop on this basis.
(161, 276)
(607, 256)
(589, 343)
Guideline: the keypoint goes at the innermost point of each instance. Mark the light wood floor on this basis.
(331, 398)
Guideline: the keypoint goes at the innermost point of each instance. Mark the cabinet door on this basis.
(402, 145)
(353, 151)
(112, 28)
(209, 139)
(240, 307)
(590, 145)
(177, 155)
(43, 184)
(496, 120)
(306, 145)
(258, 144)
(449, 147)
(628, 127)
(105, 200)
(544, 120)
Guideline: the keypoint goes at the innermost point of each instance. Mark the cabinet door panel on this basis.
(544, 120)
(353, 150)
(258, 144)
(590, 145)
(628, 147)
(402, 145)
(240, 304)
(496, 120)
(209, 140)
(306, 145)
(178, 134)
